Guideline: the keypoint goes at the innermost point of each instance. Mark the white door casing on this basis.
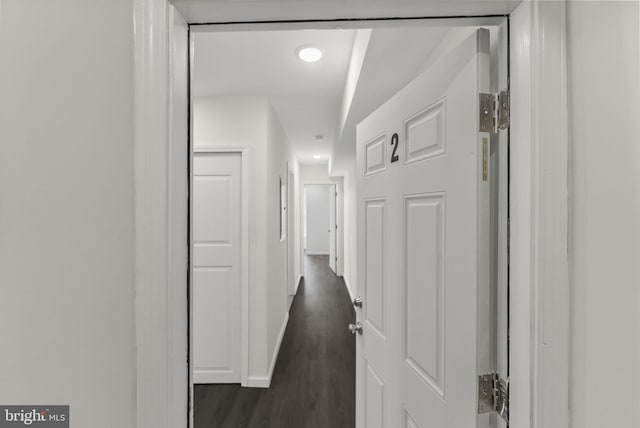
(539, 45)
(178, 217)
(333, 221)
(217, 267)
(423, 248)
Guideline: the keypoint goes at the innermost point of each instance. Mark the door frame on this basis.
(244, 153)
(539, 217)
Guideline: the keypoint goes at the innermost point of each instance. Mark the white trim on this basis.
(245, 153)
(258, 382)
(539, 217)
(350, 22)
(190, 304)
(151, 77)
(178, 240)
(265, 381)
(316, 253)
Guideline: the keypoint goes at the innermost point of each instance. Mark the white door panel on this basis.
(374, 268)
(422, 248)
(216, 267)
(375, 399)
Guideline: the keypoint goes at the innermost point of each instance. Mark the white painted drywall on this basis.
(317, 219)
(604, 112)
(280, 153)
(66, 196)
(251, 122)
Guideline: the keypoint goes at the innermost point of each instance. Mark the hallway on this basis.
(313, 384)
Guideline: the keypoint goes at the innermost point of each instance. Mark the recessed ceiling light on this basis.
(309, 53)
(317, 156)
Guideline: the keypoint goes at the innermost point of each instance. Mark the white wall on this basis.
(604, 113)
(280, 153)
(251, 122)
(242, 121)
(66, 198)
(317, 218)
(66, 202)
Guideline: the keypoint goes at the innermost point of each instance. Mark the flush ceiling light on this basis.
(309, 53)
(317, 156)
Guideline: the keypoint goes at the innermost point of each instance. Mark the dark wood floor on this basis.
(313, 384)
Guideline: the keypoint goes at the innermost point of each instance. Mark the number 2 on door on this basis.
(394, 143)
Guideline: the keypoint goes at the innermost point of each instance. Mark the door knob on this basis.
(355, 328)
(357, 302)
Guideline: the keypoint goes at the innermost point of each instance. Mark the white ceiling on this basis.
(305, 96)
(308, 97)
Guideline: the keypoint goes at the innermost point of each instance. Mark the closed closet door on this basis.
(216, 267)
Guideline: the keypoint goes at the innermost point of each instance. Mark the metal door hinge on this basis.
(494, 112)
(493, 395)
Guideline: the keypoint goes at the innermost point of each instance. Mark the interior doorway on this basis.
(236, 114)
(538, 34)
(320, 222)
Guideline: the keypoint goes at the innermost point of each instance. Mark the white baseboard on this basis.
(316, 253)
(215, 376)
(258, 382)
(265, 381)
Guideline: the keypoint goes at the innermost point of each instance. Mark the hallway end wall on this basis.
(317, 221)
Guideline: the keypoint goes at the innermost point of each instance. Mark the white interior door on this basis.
(333, 226)
(216, 267)
(422, 248)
